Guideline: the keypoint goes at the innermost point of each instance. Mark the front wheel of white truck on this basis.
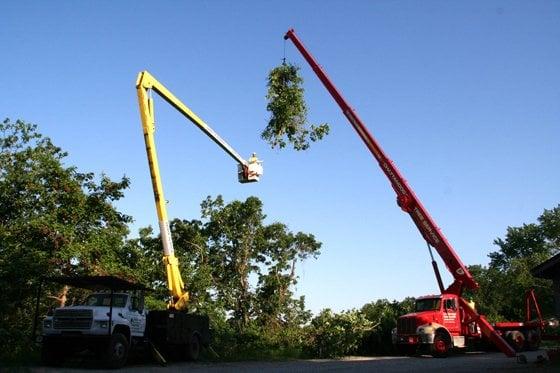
(116, 352)
(52, 354)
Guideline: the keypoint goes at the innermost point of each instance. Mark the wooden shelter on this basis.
(551, 270)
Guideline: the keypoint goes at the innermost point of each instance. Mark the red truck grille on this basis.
(406, 325)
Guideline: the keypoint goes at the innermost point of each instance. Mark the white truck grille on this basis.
(72, 319)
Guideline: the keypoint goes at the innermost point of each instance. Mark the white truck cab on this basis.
(92, 317)
(107, 324)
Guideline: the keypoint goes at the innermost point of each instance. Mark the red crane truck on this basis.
(445, 321)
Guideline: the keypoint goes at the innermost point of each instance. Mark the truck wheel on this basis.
(51, 354)
(533, 338)
(441, 345)
(116, 353)
(516, 339)
(193, 347)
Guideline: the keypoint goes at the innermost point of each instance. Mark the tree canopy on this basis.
(54, 220)
(508, 276)
(221, 252)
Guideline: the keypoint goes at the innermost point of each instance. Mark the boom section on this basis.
(249, 171)
(147, 81)
(406, 198)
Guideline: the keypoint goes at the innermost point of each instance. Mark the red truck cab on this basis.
(436, 325)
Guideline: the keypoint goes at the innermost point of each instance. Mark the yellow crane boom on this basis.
(248, 171)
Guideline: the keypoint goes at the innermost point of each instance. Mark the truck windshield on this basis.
(428, 304)
(104, 300)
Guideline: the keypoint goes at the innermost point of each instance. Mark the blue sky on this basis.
(463, 96)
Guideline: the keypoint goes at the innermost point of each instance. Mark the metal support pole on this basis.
(110, 314)
(36, 316)
(436, 270)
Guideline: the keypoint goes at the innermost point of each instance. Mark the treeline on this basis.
(56, 220)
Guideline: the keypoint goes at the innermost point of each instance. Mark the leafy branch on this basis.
(288, 120)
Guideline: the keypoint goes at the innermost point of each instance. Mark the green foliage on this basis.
(240, 271)
(383, 315)
(508, 277)
(241, 245)
(218, 257)
(54, 220)
(536, 242)
(335, 335)
(258, 343)
(288, 118)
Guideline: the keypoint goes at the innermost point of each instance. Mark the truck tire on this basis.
(516, 339)
(193, 347)
(116, 352)
(441, 346)
(533, 338)
(52, 354)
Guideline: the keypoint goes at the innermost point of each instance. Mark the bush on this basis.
(334, 335)
(257, 342)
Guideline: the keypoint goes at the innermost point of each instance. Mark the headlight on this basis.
(47, 324)
(425, 330)
(102, 323)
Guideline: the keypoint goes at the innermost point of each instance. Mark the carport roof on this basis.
(97, 282)
(549, 269)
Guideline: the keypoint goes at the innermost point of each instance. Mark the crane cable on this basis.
(284, 58)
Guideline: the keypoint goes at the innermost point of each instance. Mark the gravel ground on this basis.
(470, 362)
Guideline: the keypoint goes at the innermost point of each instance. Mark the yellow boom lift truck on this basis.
(113, 318)
(175, 328)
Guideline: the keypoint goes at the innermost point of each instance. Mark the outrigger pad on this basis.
(532, 357)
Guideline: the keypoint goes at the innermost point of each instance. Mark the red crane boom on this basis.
(406, 198)
(408, 202)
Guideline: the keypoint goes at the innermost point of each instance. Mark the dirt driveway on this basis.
(470, 362)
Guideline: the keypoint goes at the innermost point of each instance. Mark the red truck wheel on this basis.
(441, 345)
(516, 339)
(533, 338)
